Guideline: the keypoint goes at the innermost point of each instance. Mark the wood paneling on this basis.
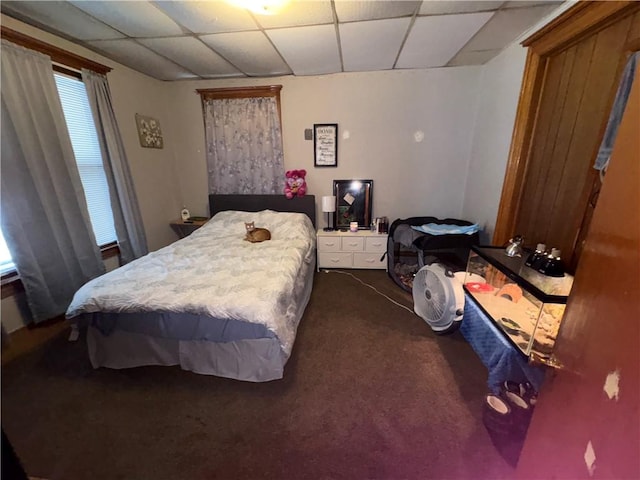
(582, 20)
(580, 86)
(571, 76)
(634, 33)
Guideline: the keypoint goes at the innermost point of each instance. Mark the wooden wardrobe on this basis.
(572, 73)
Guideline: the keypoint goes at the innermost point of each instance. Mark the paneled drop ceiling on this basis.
(177, 40)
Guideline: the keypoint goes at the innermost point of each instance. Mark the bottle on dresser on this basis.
(552, 265)
(536, 257)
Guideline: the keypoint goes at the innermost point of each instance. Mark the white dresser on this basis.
(361, 249)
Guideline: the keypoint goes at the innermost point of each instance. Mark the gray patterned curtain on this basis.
(124, 203)
(44, 213)
(244, 145)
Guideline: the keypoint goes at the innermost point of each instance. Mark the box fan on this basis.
(438, 297)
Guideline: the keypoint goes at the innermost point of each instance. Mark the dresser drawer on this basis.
(335, 260)
(368, 260)
(352, 244)
(376, 244)
(361, 249)
(328, 244)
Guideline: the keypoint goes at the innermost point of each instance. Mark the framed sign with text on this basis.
(325, 144)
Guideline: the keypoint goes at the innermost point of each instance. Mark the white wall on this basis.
(381, 111)
(500, 89)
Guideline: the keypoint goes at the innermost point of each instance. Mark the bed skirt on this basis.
(253, 360)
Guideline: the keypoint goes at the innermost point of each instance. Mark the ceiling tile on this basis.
(209, 17)
(434, 7)
(135, 19)
(506, 26)
(372, 45)
(308, 50)
(251, 52)
(62, 17)
(473, 58)
(210, 39)
(524, 3)
(192, 54)
(434, 40)
(298, 13)
(353, 11)
(130, 53)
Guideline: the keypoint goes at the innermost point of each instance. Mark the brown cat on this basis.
(256, 234)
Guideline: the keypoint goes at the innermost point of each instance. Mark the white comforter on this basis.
(215, 272)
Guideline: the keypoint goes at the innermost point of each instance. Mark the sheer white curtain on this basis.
(45, 219)
(244, 145)
(124, 204)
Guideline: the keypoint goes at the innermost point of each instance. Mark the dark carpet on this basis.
(369, 392)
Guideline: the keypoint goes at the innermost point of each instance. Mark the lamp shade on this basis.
(329, 204)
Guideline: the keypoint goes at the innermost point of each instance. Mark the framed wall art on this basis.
(325, 144)
(149, 131)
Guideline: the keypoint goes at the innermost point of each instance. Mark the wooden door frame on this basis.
(578, 22)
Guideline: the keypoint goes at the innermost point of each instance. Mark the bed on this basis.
(211, 303)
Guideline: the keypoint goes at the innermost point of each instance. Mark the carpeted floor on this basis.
(369, 392)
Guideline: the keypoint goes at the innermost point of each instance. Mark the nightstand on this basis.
(184, 229)
(361, 249)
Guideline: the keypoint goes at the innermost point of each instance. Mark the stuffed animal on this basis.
(295, 184)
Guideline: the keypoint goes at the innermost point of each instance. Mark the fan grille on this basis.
(438, 298)
(434, 295)
(428, 286)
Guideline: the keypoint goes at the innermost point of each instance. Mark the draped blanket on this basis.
(215, 272)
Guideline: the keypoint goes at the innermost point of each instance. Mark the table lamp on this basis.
(328, 206)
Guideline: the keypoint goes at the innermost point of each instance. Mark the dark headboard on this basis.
(255, 203)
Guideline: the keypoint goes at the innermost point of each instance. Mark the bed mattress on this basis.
(211, 290)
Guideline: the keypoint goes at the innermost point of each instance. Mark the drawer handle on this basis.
(329, 244)
(353, 244)
(335, 260)
(370, 260)
(377, 244)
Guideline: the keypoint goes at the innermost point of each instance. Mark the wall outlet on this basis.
(308, 134)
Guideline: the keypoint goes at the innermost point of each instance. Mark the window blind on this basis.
(86, 148)
(6, 262)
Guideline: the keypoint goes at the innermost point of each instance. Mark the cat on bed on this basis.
(256, 234)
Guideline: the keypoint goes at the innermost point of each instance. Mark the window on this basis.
(86, 149)
(6, 262)
(84, 140)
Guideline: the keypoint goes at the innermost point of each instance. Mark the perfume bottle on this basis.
(552, 264)
(533, 260)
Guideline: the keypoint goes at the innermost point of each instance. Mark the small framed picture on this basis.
(325, 144)
(149, 131)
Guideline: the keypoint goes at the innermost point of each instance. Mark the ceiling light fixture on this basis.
(260, 7)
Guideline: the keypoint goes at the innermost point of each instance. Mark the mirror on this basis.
(353, 203)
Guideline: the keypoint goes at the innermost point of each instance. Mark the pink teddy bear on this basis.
(295, 184)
